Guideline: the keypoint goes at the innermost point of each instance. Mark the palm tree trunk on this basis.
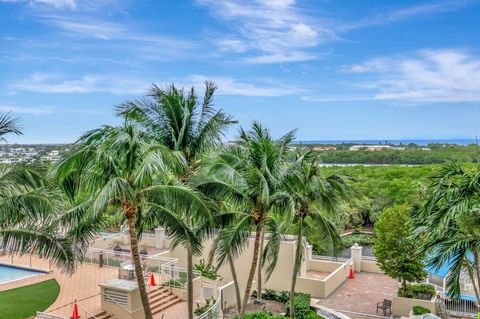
(259, 269)
(235, 282)
(131, 217)
(189, 282)
(296, 266)
(476, 260)
(253, 267)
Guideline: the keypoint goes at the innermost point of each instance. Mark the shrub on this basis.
(206, 270)
(201, 309)
(270, 294)
(419, 310)
(302, 306)
(362, 239)
(283, 296)
(417, 291)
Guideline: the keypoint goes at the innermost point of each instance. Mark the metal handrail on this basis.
(212, 309)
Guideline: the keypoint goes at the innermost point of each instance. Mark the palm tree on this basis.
(314, 196)
(32, 213)
(249, 177)
(449, 225)
(177, 119)
(8, 125)
(117, 168)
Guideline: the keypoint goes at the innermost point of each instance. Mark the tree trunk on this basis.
(189, 282)
(253, 267)
(235, 282)
(296, 266)
(259, 269)
(131, 217)
(476, 261)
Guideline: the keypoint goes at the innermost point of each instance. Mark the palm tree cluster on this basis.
(448, 225)
(165, 164)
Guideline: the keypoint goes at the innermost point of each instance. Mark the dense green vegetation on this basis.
(417, 291)
(28, 297)
(395, 248)
(439, 153)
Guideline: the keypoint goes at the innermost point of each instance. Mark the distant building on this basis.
(324, 148)
(376, 148)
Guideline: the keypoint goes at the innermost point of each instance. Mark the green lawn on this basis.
(26, 301)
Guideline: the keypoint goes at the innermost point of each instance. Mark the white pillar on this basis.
(356, 252)
(159, 237)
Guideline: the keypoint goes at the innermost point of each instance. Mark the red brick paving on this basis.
(361, 294)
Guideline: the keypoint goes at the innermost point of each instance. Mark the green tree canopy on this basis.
(394, 247)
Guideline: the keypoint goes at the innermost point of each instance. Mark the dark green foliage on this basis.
(302, 306)
(361, 239)
(201, 309)
(395, 249)
(419, 310)
(439, 154)
(270, 294)
(417, 291)
(206, 270)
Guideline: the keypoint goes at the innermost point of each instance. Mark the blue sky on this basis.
(333, 69)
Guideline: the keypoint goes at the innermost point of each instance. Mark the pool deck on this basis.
(81, 286)
(360, 295)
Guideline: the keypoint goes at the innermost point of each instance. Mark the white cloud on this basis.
(231, 86)
(426, 9)
(124, 85)
(48, 83)
(269, 29)
(26, 110)
(441, 76)
(231, 45)
(59, 4)
(281, 57)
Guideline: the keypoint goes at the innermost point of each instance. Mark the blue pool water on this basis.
(11, 273)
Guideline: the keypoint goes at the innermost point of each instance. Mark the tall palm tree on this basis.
(249, 177)
(315, 196)
(448, 222)
(32, 212)
(179, 120)
(116, 168)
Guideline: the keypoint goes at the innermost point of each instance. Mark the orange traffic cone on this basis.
(75, 311)
(152, 280)
(350, 273)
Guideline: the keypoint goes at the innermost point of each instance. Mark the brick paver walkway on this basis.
(361, 294)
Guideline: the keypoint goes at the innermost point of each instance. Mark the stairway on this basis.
(102, 315)
(161, 298)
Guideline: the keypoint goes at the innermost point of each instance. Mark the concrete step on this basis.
(162, 307)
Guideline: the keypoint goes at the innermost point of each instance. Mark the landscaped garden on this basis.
(32, 298)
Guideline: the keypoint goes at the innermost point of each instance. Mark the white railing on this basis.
(45, 315)
(370, 258)
(459, 307)
(330, 258)
(108, 257)
(214, 312)
(175, 277)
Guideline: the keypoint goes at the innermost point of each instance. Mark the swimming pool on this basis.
(12, 273)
